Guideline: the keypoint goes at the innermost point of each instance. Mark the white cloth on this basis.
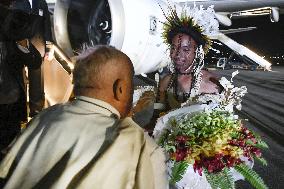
(192, 180)
(61, 143)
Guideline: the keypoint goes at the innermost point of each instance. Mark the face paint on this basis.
(183, 52)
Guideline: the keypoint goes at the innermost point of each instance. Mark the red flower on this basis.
(256, 151)
(180, 154)
(181, 139)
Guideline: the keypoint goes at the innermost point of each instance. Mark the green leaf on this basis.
(261, 160)
(261, 144)
(251, 176)
(170, 148)
(178, 171)
(163, 138)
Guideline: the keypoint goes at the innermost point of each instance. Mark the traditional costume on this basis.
(207, 144)
(199, 24)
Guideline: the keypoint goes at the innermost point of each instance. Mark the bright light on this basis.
(54, 49)
(253, 12)
(50, 1)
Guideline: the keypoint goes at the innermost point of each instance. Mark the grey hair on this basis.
(87, 71)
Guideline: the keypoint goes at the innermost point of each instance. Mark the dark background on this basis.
(263, 105)
(266, 40)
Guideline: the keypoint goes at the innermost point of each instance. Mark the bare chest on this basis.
(206, 86)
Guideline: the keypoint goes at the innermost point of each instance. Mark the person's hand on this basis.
(163, 85)
(147, 99)
(49, 54)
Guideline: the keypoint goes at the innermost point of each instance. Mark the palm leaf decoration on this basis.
(221, 180)
(251, 176)
(261, 144)
(178, 171)
(261, 160)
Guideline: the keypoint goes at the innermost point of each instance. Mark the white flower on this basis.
(243, 91)
(239, 106)
(229, 107)
(236, 117)
(226, 83)
(234, 74)
(205, 18)
(213, 98)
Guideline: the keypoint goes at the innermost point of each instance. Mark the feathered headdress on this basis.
(199, 23)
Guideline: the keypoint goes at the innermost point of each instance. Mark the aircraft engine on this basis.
(133, 26)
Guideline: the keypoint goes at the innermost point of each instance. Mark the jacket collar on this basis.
(103, 106)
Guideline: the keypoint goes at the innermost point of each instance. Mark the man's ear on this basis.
(117, 89)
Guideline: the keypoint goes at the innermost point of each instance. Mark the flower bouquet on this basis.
(211, 141)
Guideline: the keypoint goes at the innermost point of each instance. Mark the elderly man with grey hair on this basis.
(89, 142)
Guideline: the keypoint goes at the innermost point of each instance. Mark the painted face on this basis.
(183, 52)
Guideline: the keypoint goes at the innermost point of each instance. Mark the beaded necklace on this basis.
(173, 85)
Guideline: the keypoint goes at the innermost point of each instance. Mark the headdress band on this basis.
(199, 23)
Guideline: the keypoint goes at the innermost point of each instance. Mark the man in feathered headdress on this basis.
(188, 37)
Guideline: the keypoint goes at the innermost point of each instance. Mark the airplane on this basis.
(133, 26)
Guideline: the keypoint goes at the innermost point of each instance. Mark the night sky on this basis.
(267, 40)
